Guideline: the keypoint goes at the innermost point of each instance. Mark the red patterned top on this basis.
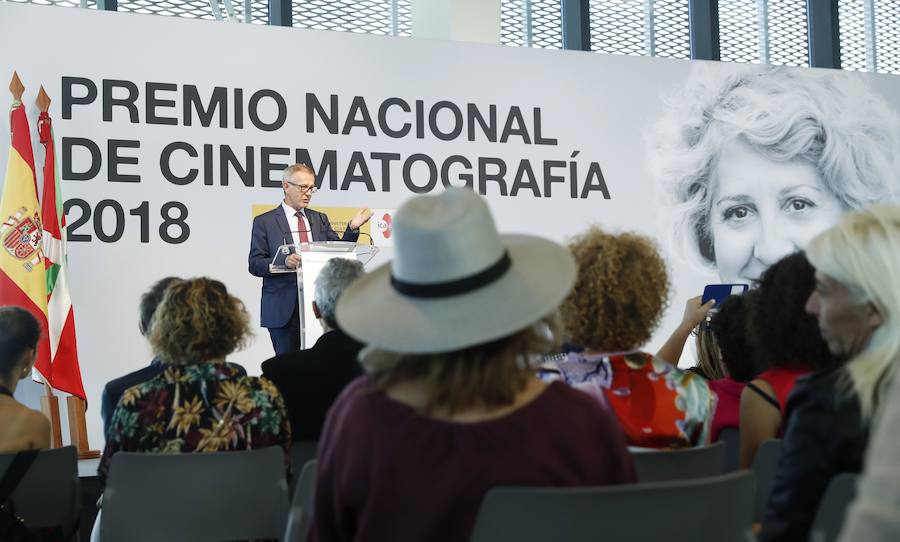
(658, 405)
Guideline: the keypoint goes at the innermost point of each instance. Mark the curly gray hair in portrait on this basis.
(830, 118)
(334, 278)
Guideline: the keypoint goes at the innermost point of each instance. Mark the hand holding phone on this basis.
(695, 312)
(719, 292)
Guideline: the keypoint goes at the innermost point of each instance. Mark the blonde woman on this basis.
(856, 303)
(200, 402)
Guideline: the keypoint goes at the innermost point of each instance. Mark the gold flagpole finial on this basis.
(16, 87)
(42, 101)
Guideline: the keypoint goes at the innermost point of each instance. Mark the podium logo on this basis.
(386, 225)
(382, 227)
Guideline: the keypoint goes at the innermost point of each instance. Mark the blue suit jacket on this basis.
(279, 291)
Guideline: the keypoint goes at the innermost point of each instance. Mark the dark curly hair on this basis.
(782, 333)
(198, 321)
(620, 294)
(729, 326)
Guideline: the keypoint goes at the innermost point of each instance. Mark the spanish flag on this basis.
(22, 272)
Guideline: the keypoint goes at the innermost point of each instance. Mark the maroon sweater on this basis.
(386, 473)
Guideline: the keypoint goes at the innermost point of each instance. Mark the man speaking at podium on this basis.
(290, 222)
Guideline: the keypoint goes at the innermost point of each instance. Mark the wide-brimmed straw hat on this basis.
(454, 281)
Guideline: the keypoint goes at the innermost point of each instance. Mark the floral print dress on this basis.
(658, 405)
(207, 407)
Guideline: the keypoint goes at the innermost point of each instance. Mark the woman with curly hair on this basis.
(200, 403)
(757, 161)
(786, 340)
(620, 293)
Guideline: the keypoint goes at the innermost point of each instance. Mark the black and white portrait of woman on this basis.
(754, 162)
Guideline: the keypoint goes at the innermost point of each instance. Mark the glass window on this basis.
(383, 17)
(531, 23)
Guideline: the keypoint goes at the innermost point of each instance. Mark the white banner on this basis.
(170, 131)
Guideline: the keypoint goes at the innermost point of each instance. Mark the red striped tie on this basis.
(301, 227)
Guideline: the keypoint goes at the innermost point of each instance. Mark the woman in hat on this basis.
(450, 406)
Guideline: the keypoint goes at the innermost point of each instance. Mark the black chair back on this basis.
(715, 509)
(667, 465)
(49, 495)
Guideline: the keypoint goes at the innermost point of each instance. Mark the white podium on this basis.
(313, 257)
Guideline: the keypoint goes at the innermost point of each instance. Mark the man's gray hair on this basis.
(295, 168)
(337, 274)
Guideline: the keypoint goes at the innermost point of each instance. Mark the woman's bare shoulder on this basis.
(24, 429)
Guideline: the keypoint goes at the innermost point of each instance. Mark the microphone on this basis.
(371, 241)
(285, 250)
(288, 237)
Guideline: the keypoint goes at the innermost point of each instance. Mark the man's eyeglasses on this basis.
(304, 188)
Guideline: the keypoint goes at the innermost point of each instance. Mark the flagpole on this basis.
(59, 313)
(50, 408)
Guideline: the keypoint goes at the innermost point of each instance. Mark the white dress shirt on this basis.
(289, 213)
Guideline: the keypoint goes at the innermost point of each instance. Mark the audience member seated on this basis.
(21, 428)
(199, 403)
(786, 340)
(727, 332)
(618, 299)
(311, 380)
(829, 412)
(114, 389)
(712, 353)
(875, 514)
(709, 359)
(450, 406)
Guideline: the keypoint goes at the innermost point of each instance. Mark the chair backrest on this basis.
(833, 508)
(49, 494)
(715, 509)
(302, 451)
(195, 496)
(302, 504)
(666, 465)
(731, 437)
(765, 465)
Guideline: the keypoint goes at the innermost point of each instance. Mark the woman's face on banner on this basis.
(763, 210)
